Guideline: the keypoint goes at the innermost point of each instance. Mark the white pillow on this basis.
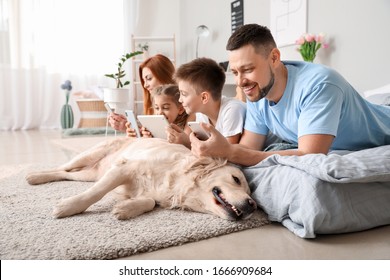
(379, 96)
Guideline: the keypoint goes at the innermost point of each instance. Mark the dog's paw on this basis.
(121, 212)
(33, 179)
(68, 207)
(132, 208)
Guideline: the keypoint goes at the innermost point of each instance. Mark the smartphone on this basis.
(200, 133)
(132, 120)
(108, 108)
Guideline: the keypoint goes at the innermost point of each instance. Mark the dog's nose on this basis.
(252, 203)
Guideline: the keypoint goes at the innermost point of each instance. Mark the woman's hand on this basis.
(117, 122)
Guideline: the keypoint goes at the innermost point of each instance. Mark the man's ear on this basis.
(275, 55)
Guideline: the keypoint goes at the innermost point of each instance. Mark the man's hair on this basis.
(204, 74)
(258, 36)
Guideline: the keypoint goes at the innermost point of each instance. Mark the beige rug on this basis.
(79, 144)
(28, 231)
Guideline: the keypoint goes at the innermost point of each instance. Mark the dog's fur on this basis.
(152, 171)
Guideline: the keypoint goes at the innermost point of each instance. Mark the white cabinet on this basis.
(157, 45)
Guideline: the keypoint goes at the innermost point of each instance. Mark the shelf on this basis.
(145, 38)
(230, 80)
(142, 60)
(153, 40)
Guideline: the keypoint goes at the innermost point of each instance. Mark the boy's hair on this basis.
(204, 74)
(258, 36)
(173, 92)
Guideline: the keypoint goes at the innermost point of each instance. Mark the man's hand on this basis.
(216, 146)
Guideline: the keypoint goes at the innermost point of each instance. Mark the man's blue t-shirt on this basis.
(318, 100)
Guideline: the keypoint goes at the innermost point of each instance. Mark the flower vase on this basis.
(66, 116)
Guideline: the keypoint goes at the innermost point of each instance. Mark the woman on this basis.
(153, 72)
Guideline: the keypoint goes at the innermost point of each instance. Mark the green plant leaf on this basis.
(121, 73)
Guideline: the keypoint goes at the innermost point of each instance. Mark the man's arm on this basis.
(246, 153)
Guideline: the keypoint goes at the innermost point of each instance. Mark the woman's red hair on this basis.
(162, 69)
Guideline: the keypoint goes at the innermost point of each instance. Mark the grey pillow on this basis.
(318, 194)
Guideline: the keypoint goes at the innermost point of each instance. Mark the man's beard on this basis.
(263, 92)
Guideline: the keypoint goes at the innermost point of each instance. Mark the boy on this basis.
(200, 83)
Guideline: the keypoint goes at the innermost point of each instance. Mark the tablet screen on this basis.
(156, 124)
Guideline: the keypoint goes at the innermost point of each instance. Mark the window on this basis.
(72, 36)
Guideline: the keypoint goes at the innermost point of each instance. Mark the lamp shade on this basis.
(201, 31)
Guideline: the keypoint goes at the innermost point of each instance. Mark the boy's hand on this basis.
(177, 135)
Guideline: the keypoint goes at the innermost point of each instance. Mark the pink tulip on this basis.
(309, 45)
(309, 38)
(320, 38)
(300, 41)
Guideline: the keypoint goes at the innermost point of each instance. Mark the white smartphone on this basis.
(200, 133)
(108, 108)
(156, 124)
(133, 121)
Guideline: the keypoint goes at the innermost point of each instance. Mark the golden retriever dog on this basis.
(148, 172)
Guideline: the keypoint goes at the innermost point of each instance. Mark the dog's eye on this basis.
(236, 180)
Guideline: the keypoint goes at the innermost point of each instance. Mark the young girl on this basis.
(165, 100)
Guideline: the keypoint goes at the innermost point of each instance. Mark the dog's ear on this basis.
(204, 165)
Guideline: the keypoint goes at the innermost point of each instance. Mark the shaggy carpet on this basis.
(28, 231)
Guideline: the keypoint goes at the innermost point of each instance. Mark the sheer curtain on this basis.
(43, 43)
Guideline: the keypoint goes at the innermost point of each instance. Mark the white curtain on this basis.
(45, 42)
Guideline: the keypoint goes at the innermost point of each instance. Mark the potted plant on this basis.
(119, 98)
(145, 49)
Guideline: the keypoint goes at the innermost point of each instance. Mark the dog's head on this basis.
(220, 189)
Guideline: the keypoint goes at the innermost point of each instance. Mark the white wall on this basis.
(360, 41)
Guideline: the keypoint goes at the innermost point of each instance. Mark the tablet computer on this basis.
(156, 124)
